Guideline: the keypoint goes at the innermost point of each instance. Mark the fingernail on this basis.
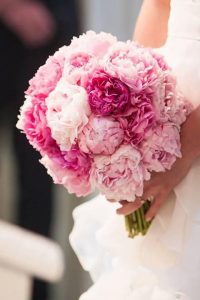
(148, 219)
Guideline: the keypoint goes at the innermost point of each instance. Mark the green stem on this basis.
(136, 222)
(129, 225)
(144, 225)
(137, 212)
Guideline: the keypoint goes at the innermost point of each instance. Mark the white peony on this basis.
(67, 113)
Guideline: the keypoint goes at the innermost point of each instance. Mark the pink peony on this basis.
(121, 175)
(47, 76)
(140, 119)
(77, 161)
(101, 136)
(67, 113)
(32, 122)
(107, 95)
(74, 182)
(162, 147)
(71, 169)
(32, 119)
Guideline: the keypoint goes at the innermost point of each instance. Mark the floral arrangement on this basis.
(105, 114)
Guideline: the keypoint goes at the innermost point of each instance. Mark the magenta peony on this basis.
(107, 95)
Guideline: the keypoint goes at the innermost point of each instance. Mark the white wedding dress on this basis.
(165, 264)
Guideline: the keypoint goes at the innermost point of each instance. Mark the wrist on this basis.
(179, 170)
(190, 153)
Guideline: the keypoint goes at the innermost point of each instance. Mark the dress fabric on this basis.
(165, 264)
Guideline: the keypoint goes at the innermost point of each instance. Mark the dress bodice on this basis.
(184, 19)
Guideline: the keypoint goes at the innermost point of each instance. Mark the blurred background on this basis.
(29, 32)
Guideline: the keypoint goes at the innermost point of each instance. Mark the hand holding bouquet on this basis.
(105, 114)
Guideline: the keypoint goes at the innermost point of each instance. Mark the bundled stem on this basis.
(136, 222)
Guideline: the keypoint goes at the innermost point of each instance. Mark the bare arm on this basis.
(161, 184)
(151, 26)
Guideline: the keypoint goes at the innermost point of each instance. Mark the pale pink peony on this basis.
(162, 147)
(163, 96)
(160, 60)
(79, 66)
(107, 95)
(47, 76)
(101, 136)
(170, 105)
(84, 55)
(67, 113)
(95, 44)
(133, 65)
(177, 108)
(71, 170)
(121, 175)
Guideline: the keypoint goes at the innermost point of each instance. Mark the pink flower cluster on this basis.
(104, 114)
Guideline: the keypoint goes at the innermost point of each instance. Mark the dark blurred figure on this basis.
(29, 32)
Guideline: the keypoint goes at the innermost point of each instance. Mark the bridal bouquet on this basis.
(105, 114)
